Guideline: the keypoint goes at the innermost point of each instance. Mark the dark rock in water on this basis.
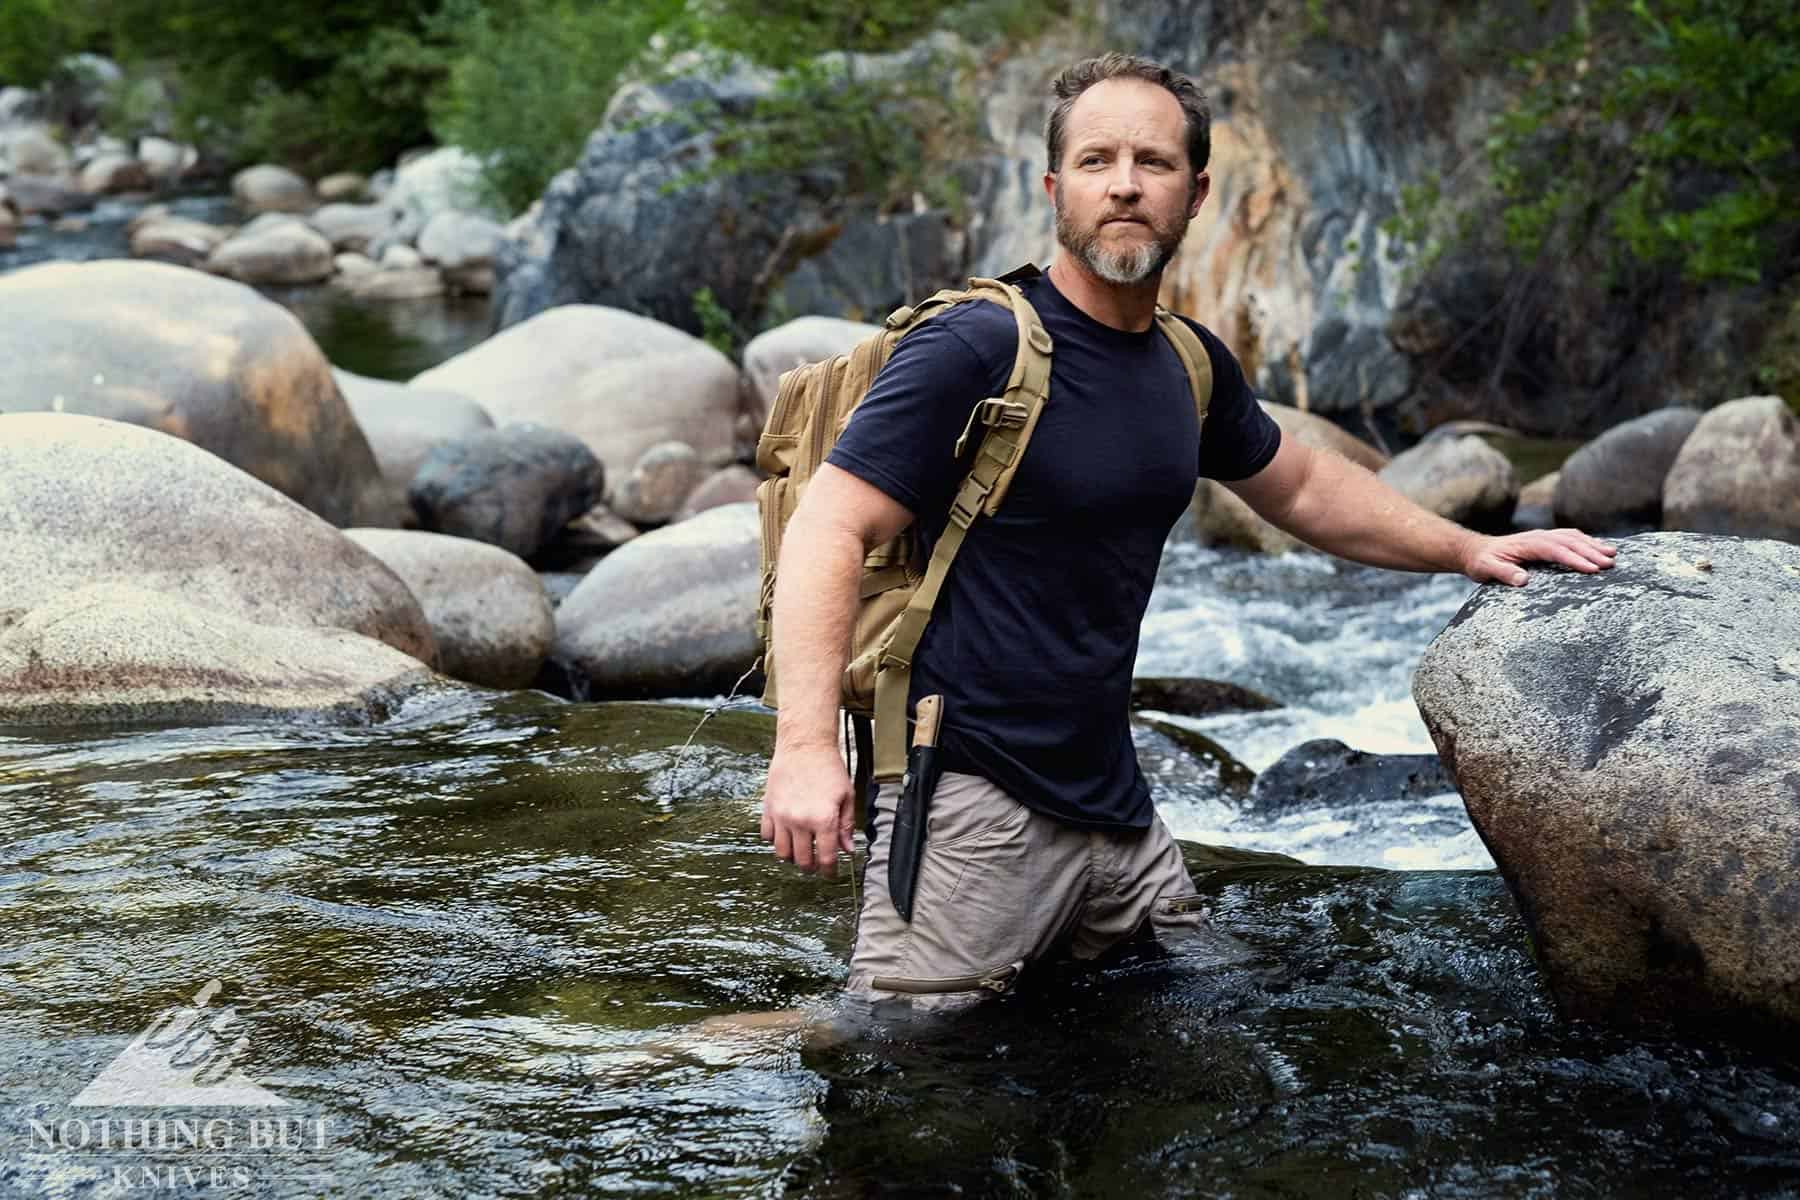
(1327, 772)
(1172, 754)
(1628, 745)
(1614, 483)
(1197, 697)
(514, 487)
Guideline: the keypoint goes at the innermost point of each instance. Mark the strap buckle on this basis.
(967, 504)
(993, 413)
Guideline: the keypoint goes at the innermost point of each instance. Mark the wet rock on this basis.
(1197, 697)
(115, 653)
(776, 351)
(177, 240)
(1614, 484)
(1187, 762)
(488, 612)
(166, 161)
(403, 424)
(662, 480)
(1463, 479)
(50, 195)
(620, 382)
(1738, 473)
(735, 484)
(1218, 517)
(88, 501)
(269, 188)
(411, 283)
(32, 150)
(1325, 772)
(342, 187)
(350, 226)
(1627, 744)
(195, 356)
(672, 613)
(108, 174)
(284, 253)
(514, 487)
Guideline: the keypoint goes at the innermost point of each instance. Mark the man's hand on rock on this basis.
(1498, 559)
(809, 808)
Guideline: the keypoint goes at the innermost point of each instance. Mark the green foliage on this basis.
(1778, 368)
(530, 79)
(1669, 127)
(35, 35)
(718, 328)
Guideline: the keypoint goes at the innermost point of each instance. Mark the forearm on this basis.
(816, 586)
(1346, 510)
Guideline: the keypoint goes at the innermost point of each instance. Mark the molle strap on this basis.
(1194, 358)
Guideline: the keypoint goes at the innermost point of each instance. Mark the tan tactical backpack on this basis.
(812, 406)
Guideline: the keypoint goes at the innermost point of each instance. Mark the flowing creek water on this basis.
(475, 951)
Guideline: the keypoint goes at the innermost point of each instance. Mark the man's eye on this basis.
(1091, 160)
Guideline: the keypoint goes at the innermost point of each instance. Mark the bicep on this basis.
(839, 500)
(1271, 492)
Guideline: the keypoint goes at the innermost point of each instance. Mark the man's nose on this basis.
(1124, 182)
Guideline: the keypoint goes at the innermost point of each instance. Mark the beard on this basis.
(1124, 266)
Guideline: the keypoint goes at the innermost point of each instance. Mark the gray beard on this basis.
(1121, 267)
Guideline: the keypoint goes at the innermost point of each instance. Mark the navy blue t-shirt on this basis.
(1034, 637)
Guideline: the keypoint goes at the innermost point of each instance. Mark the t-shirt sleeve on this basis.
(1239, 438)
(902, 437)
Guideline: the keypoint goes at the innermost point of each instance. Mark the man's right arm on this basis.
(809, 805)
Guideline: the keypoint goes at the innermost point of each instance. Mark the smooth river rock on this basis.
(195, 356)
(403, 424)
(1461, 478)
(114, 653)
(664, 477)
(269, 188)
(488, 612)
(178, 240)
(284, 252)
(1628, 745)
(671, 613)
(774, 352)
(1614, 484)
(86, 501)
(514, 487)
(618, 381)
(1738, 472)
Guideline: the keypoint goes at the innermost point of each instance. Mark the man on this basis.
(1041, 834)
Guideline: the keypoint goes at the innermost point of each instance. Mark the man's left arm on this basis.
(1331, 503)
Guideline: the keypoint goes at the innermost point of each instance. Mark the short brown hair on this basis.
(1085, 74)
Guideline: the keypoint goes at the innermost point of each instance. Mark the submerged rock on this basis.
(1325, 771)
(1627, 746)
(194, 356)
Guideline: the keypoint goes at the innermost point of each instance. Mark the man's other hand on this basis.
(809, 808)
(1498, 559)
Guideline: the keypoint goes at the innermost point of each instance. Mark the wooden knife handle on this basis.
(930, 716)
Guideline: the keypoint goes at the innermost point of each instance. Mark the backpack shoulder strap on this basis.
(1194, 358)
(1009, 420)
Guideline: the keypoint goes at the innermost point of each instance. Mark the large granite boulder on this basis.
(637, 223)
(404, 424)
(269, 188)
(1461, 478)
(488, 612)
(1217, 516)
(196, 356)
(1738, 472)
(620, 382)
(283, 252)
(1628, 745)
(88, 501)
(671, 613)
(514, 487)
(114, 652)
(1614, 484)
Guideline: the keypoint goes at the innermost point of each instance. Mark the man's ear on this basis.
(1050, 187)
(1202, 186)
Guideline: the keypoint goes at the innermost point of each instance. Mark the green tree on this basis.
(1670, 128)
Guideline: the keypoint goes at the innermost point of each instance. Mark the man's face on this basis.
(1124, 192)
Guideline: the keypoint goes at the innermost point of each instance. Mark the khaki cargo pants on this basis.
(1001, 886)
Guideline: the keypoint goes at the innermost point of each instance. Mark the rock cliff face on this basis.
(1321, 123)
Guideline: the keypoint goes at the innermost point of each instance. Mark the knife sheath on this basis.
(910, 814)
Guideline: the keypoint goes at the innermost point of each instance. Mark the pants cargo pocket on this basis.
(997, 981)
